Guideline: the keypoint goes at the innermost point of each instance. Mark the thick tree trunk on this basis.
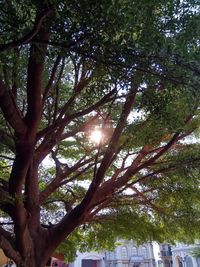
(32, 262)
(35, 259)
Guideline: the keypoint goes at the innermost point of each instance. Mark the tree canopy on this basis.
(129, 69)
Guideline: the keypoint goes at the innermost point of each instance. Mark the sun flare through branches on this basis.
(96, 136)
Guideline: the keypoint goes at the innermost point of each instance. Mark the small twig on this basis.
(6, 157)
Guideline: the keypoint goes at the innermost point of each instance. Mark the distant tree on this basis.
(129, 69)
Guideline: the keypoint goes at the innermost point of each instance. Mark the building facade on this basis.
(183, 255)
(88, 259)
(166, 255)
(127, 254)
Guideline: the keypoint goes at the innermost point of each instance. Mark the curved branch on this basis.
(112, 147)
(51, 79)
(10, 111)
(28, 37)
(7, 140)
(8, 249)
(60, 122)
(59, 181)
(5, 233)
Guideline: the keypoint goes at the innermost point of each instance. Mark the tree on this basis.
(129, 69)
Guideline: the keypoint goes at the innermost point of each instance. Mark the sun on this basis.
(96, 136)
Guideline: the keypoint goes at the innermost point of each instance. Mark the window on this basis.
(115, 254)
(144, 252)
(110, 255)
(124, 253)
(160, 263)
(188, 261)
(198, 261)
(167, 263)
(180, 264)
(134, 251)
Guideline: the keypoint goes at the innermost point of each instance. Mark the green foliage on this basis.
(195, 252)
(95, 54)
(170, 106)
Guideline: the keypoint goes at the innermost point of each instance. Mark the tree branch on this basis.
(10, 111)
(107, 159)
(52, 77)
(9, 251)
(147, 201)
(61, 175)
(79, 213)
(60, 122)
(28, 37)
(7, 140)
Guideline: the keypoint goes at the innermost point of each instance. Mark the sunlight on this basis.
(96, 136)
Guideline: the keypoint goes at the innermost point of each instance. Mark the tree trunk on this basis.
(34, 260)
(36, 254)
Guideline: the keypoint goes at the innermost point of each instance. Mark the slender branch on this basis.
(9, 250)
(147, 201)
(79, 173)
(6, 157)
(5, 233)
(57, 90)
(106, 161)
(28, 37)
(60, 122)
(52, 77)
(6, 223)
(61, 175)
(7, 140)
(107, 187)
(10, 111)
(15, 71)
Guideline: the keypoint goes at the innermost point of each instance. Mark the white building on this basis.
(182, 255)
(127, 254)
(165, 255)
(89, 259)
